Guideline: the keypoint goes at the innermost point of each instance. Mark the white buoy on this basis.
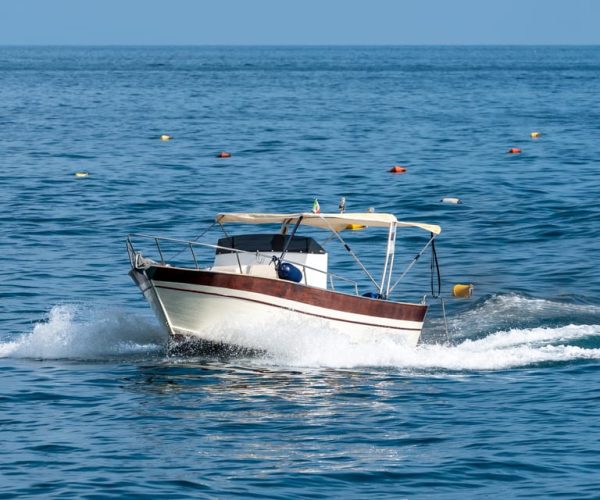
(451, 200)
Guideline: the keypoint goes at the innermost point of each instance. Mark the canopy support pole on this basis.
(414, 261)
(349, 250)
(389, 262)
(289, 238)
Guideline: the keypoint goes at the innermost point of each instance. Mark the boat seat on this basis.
(262, 270)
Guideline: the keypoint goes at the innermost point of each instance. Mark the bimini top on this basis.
(337, 222)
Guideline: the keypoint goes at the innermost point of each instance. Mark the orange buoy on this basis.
(224, 154)
(397, 169)
(514, 151)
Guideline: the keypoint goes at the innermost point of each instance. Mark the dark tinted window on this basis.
(269, 243)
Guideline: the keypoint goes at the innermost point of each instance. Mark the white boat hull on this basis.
(236, 310)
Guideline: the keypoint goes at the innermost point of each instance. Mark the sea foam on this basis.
(85, 332)
(500, 350)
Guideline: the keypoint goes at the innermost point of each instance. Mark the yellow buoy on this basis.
(462, 291)
(355, 227)
(535, 135)
(81, 174)
(165, 137)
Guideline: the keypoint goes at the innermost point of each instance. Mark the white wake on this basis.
(78, 332)
(500, 350)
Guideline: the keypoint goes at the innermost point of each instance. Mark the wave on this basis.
(502, 312)
(86, 332)
(501, 350)
(89, 333)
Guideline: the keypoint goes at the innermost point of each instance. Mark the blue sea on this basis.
(93, 405)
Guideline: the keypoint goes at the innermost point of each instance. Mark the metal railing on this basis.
(134, 256)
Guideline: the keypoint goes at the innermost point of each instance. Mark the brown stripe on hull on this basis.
(292, 291)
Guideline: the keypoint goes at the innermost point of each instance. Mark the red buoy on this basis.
(224, 154)
(397, 169)
(514, 151)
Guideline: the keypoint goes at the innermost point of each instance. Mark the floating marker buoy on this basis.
(165, 137)
(462, 291)
(534, 135)
(81, 174)
(451, 200)
(397, 169)
(355, 227)
(514, 151)
(224, 154)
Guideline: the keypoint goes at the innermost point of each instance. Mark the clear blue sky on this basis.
(251, 22)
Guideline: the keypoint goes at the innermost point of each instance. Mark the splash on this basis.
(504, 312)
(312, 343)
(494, 335)
(79, 332)
(501, 350)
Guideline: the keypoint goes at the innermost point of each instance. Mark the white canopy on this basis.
(338, 222)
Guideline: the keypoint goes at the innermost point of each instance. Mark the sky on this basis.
(299, 22)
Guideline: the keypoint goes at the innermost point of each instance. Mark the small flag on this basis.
(316, 208)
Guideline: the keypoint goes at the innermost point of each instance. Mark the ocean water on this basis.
(93, 405)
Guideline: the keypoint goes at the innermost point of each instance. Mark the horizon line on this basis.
(238, 45)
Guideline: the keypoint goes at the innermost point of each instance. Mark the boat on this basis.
(271, 279)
